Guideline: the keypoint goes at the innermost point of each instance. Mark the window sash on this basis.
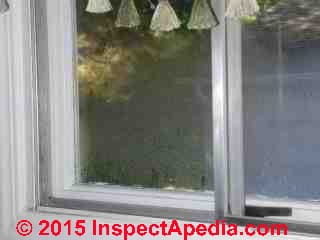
(306, 216)
(19, 69)
(58, 112)
(56, 28)
(54, 23)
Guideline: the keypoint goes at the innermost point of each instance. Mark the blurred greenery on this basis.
(110, 57)
(141, 124)
(265, 4)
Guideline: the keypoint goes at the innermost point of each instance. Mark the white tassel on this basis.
(202, 16)
(99, 6)
(242, 8)
(128, 15)
(4, 6)
(164, 18)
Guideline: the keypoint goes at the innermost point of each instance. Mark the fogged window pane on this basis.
(281, 89)
(145, 102)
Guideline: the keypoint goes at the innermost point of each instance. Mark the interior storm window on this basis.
(143, 112)
(281, 94)
(128, 98)
(144, 104)
(278, 84)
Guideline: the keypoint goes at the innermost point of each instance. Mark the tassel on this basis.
(99, 6)
(164, 18)
(202, 16)
(128, 15)
(242, 8)
(4, 6)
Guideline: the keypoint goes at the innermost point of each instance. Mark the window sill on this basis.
(192, 206)
(202, 201)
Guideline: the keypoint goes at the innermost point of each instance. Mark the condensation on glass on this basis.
(281, 94)
(144, 103)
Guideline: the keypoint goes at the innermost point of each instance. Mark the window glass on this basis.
(144, 101)
(281, 94)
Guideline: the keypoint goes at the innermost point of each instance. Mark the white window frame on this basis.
(57, 154)
(305, 215)
(18, 122)
(19, 195)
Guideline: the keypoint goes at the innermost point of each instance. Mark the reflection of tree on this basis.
(300, 19)
(137, 90)
(265, 4)
(110, 58)
(148, 100)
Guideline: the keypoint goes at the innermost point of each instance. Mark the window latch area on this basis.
(258, 211)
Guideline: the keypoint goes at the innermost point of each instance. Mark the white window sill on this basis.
(134, 196)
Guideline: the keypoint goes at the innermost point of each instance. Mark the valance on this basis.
(165, 18)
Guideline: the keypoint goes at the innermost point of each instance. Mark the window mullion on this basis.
(235, 118)
(219, 103)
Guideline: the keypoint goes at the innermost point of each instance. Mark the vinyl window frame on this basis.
(57, 91)
(306, 215)
(20, 164)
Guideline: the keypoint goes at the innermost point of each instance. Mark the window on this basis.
(144, 104)
(187, 124)
(278, 85)
(280, 90)
(125, 114)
